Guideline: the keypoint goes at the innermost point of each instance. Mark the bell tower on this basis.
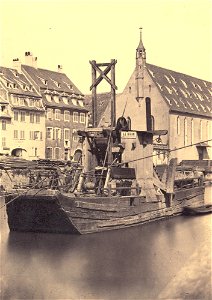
(140, 66)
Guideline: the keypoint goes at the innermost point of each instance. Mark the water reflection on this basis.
(133, 263)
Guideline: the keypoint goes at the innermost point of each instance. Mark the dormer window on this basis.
(152, 73)
(58, 85)
(65, 100)
(81, 103)
(160, 86)
(74, 101)
(169, 90)
(9, 85)
(56, 98)
(168, 79)
(184, 83)
(184, 93)
(175, 90)
(169, 101)
(191, 107)
(48, 97)
(173, 79)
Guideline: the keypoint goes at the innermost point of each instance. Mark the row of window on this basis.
(57, 115)
(21, 116)
(26, 101)
(56, 134)
(33, 135)
(192, 128)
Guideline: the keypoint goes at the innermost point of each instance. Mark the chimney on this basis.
(60, 68)
(17, 65)
(30, 60)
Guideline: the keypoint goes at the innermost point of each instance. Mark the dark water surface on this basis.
(133, 263)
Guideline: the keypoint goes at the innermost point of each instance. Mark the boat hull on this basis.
(55, 212)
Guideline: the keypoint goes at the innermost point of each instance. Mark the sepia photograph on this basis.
(105, 149)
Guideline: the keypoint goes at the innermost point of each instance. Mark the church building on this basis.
(180, 104)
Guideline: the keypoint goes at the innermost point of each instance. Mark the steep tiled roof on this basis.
(183, 93)
(62, 104)
(56, 88)
(103, 100)
(46, 79)
(16, 83)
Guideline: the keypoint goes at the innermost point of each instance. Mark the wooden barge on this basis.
(112, 197)
(116, 187)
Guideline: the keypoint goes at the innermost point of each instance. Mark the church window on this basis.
(200, 129)
(192, 131)
(185, 132)
(178, 125)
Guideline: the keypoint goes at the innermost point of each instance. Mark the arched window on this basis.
(185, 132)
(153, 123)
(192, 131)
(178, 125)
(208, 132)
(200, 129)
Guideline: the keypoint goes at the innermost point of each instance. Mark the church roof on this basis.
(183, 93)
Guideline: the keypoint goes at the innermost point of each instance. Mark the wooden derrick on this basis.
(96, 68)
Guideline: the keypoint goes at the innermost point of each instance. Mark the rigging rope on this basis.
(171, 150)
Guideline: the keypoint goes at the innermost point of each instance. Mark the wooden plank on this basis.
(171, 175)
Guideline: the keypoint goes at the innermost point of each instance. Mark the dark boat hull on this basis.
(55, 212)
(199, 210)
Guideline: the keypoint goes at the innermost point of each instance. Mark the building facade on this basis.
(65, 113)
(22, 116)
(180, 104)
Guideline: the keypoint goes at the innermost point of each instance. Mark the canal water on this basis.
(165, 260)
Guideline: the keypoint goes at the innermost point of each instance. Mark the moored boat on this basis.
(197, 210)
(116, 186)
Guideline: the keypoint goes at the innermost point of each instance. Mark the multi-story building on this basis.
(64, 106)
(180, 104)
(22, 116)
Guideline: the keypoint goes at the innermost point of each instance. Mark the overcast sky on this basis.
(177, 35)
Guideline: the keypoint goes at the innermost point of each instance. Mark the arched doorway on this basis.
(19, 152)
(78, 156)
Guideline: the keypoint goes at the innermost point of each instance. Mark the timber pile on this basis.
(16, 163)
(200, 165)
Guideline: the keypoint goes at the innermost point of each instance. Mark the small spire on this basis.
(141, 46)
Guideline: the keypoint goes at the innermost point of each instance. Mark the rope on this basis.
(171, 150)
(24, 194)
(106, 154)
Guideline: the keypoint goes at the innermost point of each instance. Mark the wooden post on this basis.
(113, 94)
(94, 99)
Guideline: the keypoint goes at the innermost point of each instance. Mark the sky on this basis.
(177, 35)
